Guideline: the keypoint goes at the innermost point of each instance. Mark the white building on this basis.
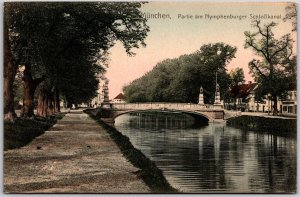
(119, 98)
(245, 101)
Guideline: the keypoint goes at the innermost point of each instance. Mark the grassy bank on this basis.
(149, 172)
(271, 125)
(24, 130)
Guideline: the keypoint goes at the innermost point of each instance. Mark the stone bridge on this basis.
(211, 113)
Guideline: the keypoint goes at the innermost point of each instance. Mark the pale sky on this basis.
(170, 38)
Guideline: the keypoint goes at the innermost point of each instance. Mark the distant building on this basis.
(243, 98)
(289, 104)
(119, 98)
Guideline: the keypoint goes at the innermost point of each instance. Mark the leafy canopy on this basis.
(179, 79)
(60, 40)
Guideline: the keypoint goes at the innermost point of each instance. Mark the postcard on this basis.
(150, 97)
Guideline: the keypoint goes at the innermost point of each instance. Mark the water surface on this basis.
(214, 157)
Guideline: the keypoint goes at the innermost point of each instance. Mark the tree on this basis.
(291, 14)
(270, 70)
(237, 76)
(49, 37)
(10, 70)
(179, 79)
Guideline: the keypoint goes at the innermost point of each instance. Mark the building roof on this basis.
(120, 96)
(242, 91)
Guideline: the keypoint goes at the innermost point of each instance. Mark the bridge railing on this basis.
(161, 106)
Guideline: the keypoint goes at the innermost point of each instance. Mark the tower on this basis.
(105, 103)
(105, 92)
(201, 99)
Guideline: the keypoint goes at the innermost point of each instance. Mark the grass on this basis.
(149, 172)
(24, 130)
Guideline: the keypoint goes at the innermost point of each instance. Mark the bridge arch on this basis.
(211, 113)
(196, 115)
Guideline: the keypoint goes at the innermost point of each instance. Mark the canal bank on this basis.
(76, 155)
(149, 172)
(270, 124)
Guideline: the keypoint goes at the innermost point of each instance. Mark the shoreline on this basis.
(150, 173)
(280, 126)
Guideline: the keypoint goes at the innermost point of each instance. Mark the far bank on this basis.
(275, 125)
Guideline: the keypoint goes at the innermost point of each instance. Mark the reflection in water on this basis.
(213, 158)
(156, 121)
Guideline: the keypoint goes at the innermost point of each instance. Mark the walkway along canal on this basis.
(75, 156)
(78, 156)
(213, 158)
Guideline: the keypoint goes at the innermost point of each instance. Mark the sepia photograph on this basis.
(157, 97)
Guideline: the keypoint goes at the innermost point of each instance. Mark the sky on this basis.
(175, 36)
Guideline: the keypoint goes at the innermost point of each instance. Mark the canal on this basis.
(213, 158)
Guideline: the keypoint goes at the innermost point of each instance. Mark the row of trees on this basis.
(179, 79)
(62, 48)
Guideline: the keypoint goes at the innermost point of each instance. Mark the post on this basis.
(217, 103)
(201, 99)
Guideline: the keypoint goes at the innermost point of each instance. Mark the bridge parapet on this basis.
(161, 106)
(112, 110)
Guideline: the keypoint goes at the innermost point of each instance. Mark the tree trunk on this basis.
(50, 110)
(43, 103)
(30, 86)
(234, 104)
(57, 102)
(28, 92)
(10, 70)
(40, 104)
(275, 110)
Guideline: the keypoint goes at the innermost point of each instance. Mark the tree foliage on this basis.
(66, 43)
(179, 79)
(291, 14)
(237, 76)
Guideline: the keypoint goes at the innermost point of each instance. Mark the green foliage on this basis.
(237, 76)
(68, 42)
(179, 79)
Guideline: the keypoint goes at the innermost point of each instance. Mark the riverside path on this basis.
(75, 156)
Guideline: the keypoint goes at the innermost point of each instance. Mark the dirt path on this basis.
(75, 156)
